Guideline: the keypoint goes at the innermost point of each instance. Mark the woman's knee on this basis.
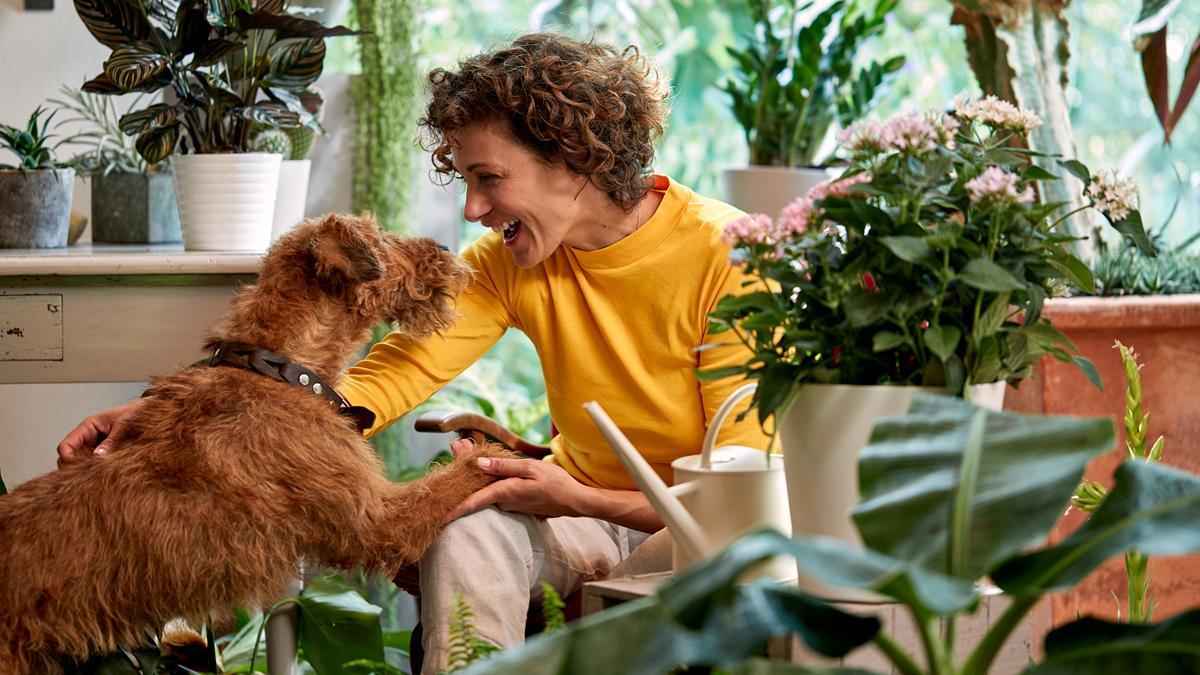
(486, 535)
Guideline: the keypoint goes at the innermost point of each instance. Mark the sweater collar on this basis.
(646, 238)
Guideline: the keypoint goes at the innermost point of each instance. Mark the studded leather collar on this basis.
(277, 367)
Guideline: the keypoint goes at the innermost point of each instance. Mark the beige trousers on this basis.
(497, 561)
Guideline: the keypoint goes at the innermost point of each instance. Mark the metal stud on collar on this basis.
(304, 378)
(316, 388)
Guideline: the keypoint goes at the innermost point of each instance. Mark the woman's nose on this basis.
(476, 207)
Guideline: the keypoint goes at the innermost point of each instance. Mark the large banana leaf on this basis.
(958, 489)
(702, 618)
(1091, 646)
(1153, 508)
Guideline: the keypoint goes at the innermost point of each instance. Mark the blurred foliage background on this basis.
(687, 39)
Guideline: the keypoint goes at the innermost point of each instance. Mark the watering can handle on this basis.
(714, 427)
(684, 528)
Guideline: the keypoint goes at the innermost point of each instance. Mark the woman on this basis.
(611, 272)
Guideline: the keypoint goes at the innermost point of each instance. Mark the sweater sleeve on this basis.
(399, 373)
(731, 352)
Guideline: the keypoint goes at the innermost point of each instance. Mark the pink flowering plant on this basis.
(925, 263)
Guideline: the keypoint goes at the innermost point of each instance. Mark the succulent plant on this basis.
(29, 144)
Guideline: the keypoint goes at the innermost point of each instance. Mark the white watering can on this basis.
(718, 495)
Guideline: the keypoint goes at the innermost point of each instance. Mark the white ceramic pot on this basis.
(226, 201)
(767, 189)
(822, 433)
(291, 196)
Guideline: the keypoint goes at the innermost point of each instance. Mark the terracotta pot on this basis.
(1165, 332)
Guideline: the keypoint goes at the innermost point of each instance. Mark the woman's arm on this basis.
(541, 488)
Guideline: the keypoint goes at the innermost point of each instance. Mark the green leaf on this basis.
(1089, 371)
(270, 113)
(295, 64)
(157, 144)
(336, 627)
(886, 340)
(941, 340)
(908, 249)
(702, 618)
(1077, 169)
(1091, 646)
(153, 117)
(133, 66)
(1076, 271)
(1131, 226)
(1152, 508)
(988, 276)
(114, 22)
(971, 486)
(1035, 172)
(992, 318)
(865, 308)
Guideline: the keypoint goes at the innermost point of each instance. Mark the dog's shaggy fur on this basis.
(227, 478)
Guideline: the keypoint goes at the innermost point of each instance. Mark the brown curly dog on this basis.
(227, 478)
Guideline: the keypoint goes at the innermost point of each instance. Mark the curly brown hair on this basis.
(590, 106)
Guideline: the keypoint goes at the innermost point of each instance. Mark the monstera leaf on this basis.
(970, 486)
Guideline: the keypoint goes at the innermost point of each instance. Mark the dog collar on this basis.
(276, 367)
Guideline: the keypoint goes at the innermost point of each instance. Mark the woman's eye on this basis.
(488, 178)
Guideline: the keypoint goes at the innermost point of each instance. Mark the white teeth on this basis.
(501, 227)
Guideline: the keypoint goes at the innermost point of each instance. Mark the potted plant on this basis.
(228, 67)
(35, 193)
(795, 81)
(133, 202)
(294, 145)
(956, 498)
(925, 265)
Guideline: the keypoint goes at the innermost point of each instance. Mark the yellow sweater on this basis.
(617, 325)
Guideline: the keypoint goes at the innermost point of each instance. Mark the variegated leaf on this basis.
(212, 51)
(270, 114)
(156, 145)
(287, 26)
(148, 119)
(295, 64)
(114, 22)
(130, 67)
(100, 84)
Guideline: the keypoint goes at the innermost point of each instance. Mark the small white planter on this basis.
(767, 189)
(292, 195)
(226, 201)
(822, 433)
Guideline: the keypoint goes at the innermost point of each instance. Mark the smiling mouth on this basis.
(511, 231)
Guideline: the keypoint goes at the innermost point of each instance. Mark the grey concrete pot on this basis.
(35, 208)
(134, 208)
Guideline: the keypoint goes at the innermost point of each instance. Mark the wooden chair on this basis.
(476, 426)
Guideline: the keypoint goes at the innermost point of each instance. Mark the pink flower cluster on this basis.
(910, 133)
(759, 228)
(838, 188)
(997, 114)
(753, 228)
(997, 185)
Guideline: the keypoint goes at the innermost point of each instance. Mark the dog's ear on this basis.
(345, 249)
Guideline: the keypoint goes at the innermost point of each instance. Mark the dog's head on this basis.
(412, 282)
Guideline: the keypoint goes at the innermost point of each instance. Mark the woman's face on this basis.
(535, 206)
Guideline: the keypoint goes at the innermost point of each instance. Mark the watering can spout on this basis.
(686, 532)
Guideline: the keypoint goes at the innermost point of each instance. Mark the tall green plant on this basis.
(951, 493)
(230, 64)
(796, 81)
(1091, 494)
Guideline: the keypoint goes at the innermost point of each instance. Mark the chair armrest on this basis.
(464, 424)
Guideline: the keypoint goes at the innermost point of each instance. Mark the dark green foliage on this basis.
(790, 88)
(466, 646)
(231, 65)
(1123, 271)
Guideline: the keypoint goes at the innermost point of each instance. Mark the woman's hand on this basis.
(543, 489)
(96, 434)
(528, 486)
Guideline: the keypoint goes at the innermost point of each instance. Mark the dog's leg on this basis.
(407, 518)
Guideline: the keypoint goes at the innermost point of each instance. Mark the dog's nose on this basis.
(444, 247)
